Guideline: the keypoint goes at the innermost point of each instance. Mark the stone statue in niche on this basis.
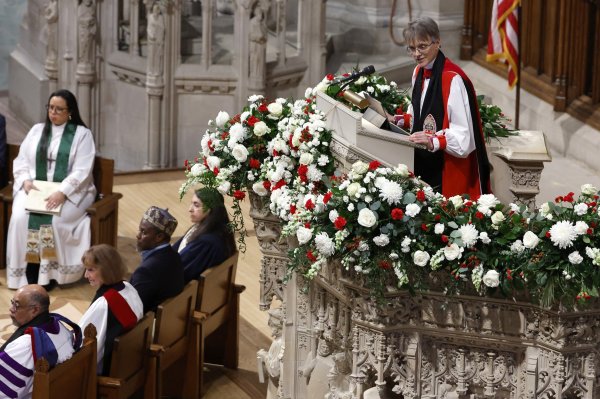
(225, 7)
(86, 14)
(271, 361)
(258, 45)
(156, 41)
(51, 16)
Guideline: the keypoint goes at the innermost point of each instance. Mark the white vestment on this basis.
(72, 233)
(97, 314)
(17, 364)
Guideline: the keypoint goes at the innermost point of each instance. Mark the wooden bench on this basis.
(74, 378)
(104, 213)
(217, 316)
(130, 368)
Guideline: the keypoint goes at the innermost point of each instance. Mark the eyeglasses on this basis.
(421, 48)
(54, 108)
(16, 305)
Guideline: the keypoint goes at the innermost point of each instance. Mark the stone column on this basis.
(134, 28)
(51, 64)
(155, 92)
(311, 31)
(207, 12)
(241, 52)
(281, 30)
(86, 54)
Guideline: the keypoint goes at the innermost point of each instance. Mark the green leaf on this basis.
(409, 198)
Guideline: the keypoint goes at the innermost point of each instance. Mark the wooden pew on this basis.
(104, 212)
(74, 378)
(174, 347)
(216, 317)
(130, 367)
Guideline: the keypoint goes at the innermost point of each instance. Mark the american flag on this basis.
(503, 41)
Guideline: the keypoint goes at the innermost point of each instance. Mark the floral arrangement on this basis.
(493, 121)
(385, 226)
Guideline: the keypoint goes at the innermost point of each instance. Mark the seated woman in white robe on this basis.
(116, 307)
(41, 247)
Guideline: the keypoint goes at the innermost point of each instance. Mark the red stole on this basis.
(121, 309)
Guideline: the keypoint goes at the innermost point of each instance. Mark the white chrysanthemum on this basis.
(562, 234)
(303, 234)
(468, 234)
(581, 227)
(486, 202)
(381, 240)
(580, 209)
(314, 174)
(412, 210)
(575, 258)
(324, 244)
(237, 133)
(594, 254)
(254, 98)
(323, 160)
(391, 192)
(517, 247)
(484, 238)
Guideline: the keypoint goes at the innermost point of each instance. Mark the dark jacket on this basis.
(158, 277)
(206, 251)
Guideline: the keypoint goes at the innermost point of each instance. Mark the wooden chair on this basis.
(72, 379)
(173, 349)
(216, 317)
(130, 367)
(104, 213)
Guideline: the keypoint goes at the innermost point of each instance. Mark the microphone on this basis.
(368, 70)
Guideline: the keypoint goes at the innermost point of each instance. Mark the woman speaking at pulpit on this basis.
(46, 245)
(445, 118)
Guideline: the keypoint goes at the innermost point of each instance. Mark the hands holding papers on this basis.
(43, 197)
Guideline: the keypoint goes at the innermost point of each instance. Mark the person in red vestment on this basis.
(445, 118)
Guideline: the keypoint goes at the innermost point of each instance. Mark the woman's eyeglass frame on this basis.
(54, 108)
(421, 48)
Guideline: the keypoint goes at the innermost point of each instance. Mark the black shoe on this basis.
(50, 286)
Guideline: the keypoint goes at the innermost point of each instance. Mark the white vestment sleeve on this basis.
(27, 150)
(81, 164)
(460, 140)
(17, 374)
(97, 314)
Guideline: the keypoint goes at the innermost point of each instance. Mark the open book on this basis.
(35, 201)
(376, 115)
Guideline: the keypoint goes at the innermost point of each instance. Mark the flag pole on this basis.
(518, 94)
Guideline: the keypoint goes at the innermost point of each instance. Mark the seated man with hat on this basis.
(160, 275)
(39, 334)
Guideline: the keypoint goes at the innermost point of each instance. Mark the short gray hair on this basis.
(421, 28)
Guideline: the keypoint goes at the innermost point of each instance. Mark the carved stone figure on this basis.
(51, 15)
(258, 45)
(225, 7)
(156, 40)
(271, 360)
(86, 14)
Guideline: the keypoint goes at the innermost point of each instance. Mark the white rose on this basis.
(306, 158)
(545, 209)
(420, 258)
(197, 169)
(581, 227)
(333, 215)
(588, 189)
(381, 240)
(240, 153)
(213, 162)
(402, 170)
(222, 118)
(530, 240)
(304, 235)
(353, 189)
(484, 238)
(367, 218)
(360, 167)
(260, 128)
(491, 278)
(260, 189)
(575, 258)
(457, 201)
(275, 109)
(439, 228)
(224, 187)
(497, 218)
(452, 251)
(244, 115)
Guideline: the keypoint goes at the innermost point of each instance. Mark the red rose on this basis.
(239, 195)
(267, 185)
(252, 120)
(590, 231)
(421, 195)
(309, 205)
(307, 225)
(397, 214)
(339, 223)
(479, 215)
(279, 184)
(374, 165)
(302, 170)
(330, 76)
(548, 235)
(263, 107)
(327, 197)
(384, 264)
(310, 256)
(254, 163)
(444, 238)
(437, 218)
(216, 171)
(292, 209)
(210, 146)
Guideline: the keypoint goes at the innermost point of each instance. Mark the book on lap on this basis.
(36, 199)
